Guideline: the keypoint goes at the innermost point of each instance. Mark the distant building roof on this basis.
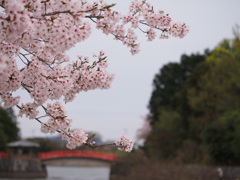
(23, 143)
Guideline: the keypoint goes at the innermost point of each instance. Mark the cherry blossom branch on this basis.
(158, 28)
(38, 119)
(99, 17)
(88, 142)
(81, 11)
(42, 60)
(46, 30)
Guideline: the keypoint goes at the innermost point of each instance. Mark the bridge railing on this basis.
(77, 153)
(3, 155)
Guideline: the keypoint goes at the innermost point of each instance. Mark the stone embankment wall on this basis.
(22, 168)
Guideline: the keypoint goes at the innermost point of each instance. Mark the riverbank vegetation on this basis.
(194, 110)
(138, 167)
(194, 120)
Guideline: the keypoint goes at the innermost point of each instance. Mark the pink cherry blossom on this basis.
(35, 36)
(124, 144)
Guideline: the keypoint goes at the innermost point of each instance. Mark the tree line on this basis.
(194, 109)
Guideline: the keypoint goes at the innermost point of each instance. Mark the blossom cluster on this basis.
(75, 138)
(34, 38)
(124, 144)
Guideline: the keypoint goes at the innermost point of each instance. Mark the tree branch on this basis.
(57, 12)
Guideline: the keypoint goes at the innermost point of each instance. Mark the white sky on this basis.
(118, 110)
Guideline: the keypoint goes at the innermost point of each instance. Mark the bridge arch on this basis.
(77, 158)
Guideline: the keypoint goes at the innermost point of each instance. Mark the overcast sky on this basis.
(118, 110)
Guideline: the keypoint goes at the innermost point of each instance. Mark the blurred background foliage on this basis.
(194, 109)
(9, 130)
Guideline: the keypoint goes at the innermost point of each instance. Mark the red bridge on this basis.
(78, 154)
(77, 158)
(74, 158)
(3, 155)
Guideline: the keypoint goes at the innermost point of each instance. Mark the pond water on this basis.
(76, 173)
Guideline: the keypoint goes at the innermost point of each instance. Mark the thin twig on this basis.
(22, 60)
(56, 13)
(142, 30)
(98, 146)
(25, 87)
(39, 59)
(42, 116)
(25, 58)
(116, 36)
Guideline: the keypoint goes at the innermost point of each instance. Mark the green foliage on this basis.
(222, 138)
(8, 128)
(166, 135)
(169, 108)
(195, 108)
(169, 81)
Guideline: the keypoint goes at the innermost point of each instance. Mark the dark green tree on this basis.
(169, 81)
(222, 139)
(9, 130)
(194, 108)
(169, 108)
(215, 98)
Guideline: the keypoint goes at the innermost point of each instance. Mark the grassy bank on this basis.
(141, 168)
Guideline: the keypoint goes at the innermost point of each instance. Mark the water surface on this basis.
(76, 173)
